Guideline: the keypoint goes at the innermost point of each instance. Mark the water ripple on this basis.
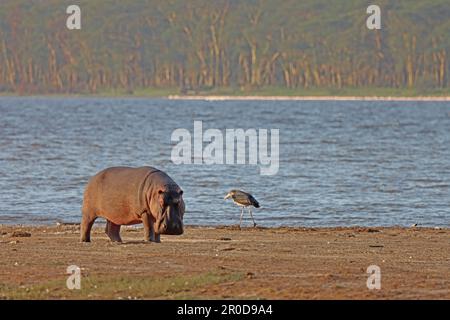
(341, 163)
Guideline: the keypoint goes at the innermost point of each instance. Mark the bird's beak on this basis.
(227, 196)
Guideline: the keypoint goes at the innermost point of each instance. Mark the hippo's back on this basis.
(117, 191)
(116, 174)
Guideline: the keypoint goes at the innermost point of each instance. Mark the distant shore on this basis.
(262, 93)
(305, 98)
(236, 97)
(226, 262)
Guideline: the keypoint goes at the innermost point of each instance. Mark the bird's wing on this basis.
(242, 198)
(253, 201)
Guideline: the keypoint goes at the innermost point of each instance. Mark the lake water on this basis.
(341, 163)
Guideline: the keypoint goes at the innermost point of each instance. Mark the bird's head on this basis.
(230, 194)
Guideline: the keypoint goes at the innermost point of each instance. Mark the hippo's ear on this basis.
(181, 192)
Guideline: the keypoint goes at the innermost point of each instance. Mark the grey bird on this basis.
(244, 200)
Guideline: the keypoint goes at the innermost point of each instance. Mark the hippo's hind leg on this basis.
(86, 225)
(113, 231)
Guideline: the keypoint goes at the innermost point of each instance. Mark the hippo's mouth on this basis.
(169, 226)
(170, 229)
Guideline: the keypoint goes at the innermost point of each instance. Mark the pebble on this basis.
(22, 234)
(227, 249)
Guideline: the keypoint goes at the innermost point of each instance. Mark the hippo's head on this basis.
(169, 219)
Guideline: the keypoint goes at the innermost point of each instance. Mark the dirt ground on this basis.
(226, 263)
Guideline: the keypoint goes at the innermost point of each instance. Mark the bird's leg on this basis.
(251, 215)
(242, 214)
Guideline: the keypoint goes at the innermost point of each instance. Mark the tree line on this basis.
(203, 45)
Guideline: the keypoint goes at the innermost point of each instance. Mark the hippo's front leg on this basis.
(149, 229)
(156, 237)
(153, 236)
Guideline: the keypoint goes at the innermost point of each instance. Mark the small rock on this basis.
(224, 239)
(227, 249)
(250, 275)
(21, 234)
(367, 230)
(414, 225)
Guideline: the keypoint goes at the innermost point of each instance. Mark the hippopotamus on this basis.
(127, 196)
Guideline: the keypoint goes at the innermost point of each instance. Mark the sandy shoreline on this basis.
(304, 98)
(225, 262)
